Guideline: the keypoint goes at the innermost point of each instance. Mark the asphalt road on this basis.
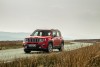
(10, 54)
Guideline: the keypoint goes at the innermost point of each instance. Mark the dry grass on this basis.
(68, 42)
(10, 44)
(83, 57)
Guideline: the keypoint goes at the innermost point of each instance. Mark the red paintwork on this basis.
(56, 40)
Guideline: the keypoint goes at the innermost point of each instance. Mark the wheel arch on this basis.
(62, 42)
(50, 42)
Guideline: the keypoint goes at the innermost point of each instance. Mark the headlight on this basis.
(41, 40)
(25, 40)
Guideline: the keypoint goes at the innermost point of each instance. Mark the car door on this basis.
(58, 38)
(55, 42)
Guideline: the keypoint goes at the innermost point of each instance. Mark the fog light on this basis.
(39, 47)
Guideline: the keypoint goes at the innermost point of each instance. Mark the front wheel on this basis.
(27, 51)
(61, 47)
(50, 48)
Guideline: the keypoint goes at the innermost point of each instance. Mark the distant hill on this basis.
(13, 36)
(87, 40)
(18, 36)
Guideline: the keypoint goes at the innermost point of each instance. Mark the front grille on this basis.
(32, 39)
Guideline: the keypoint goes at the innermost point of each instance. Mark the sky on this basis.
(76, 19)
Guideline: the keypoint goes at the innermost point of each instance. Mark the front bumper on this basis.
(35, 47)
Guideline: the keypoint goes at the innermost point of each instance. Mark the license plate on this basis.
(32, 45)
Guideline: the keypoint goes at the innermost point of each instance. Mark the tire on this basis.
(61, 47)
(27, 51)
(50, 48)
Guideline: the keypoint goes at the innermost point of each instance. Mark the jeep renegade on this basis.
(44, 40)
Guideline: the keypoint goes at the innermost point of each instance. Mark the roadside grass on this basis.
(10, 44)
(82, 57)
(68, 42)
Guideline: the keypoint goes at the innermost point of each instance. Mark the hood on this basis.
(39, 37)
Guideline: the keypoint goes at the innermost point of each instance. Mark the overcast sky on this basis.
(74, 18)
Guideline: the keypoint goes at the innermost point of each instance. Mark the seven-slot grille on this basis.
(32, 39)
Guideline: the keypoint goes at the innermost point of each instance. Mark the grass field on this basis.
(10, 44)
(83, 57)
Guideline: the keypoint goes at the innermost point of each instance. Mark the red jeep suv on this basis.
(44, 40)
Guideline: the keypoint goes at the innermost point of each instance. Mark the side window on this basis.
(58, 34)
(54, 33)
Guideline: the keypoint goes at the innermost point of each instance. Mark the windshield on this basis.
(41, 33)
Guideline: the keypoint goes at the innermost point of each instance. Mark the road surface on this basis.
(10, 54)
